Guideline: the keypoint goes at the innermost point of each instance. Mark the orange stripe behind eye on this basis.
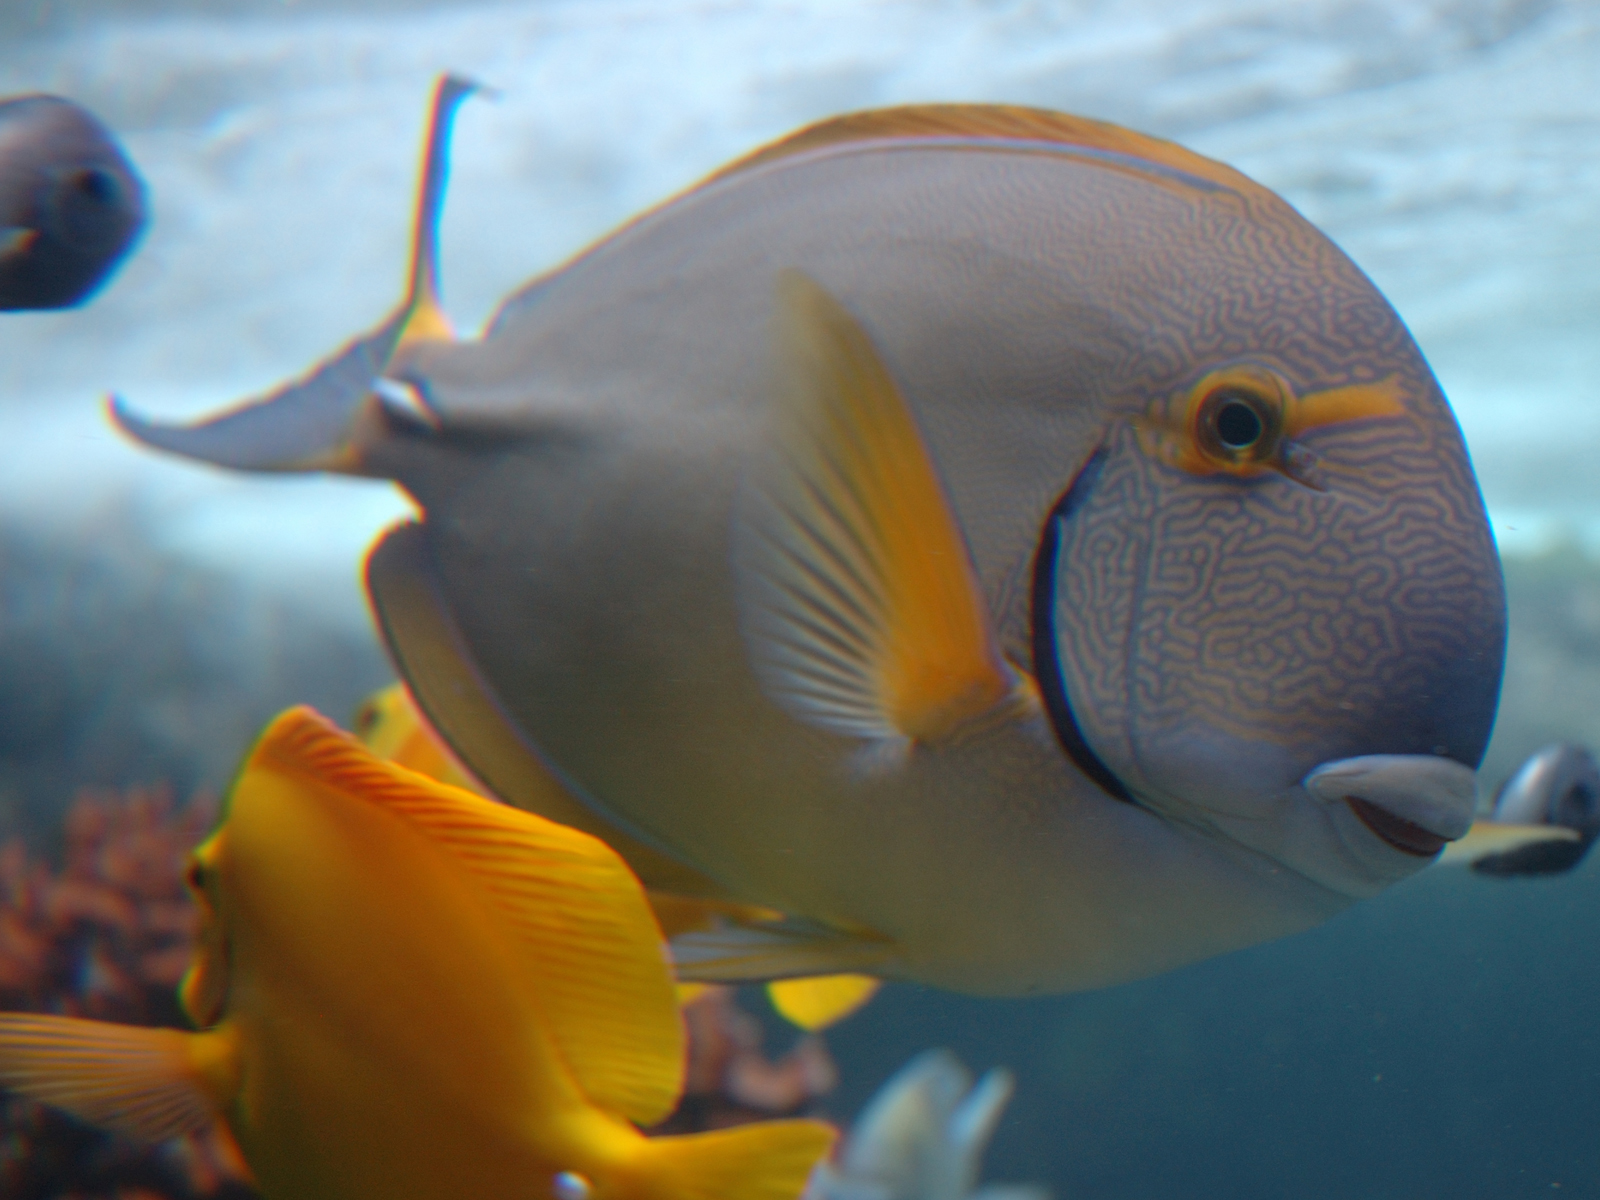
(1381, 399)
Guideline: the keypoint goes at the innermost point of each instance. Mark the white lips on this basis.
(1439, 794)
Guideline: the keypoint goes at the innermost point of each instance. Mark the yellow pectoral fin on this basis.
(151, 1084)
(823, 1000)
(860, 604)
(1492, 837)
(594, 953)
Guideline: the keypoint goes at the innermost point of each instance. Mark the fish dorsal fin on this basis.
(1001, 122)
(597, 964)
(150, 1084)
(461, 707)
(858, 598)
(321, 421)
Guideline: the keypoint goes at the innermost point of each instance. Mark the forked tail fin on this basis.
(770, 1160)
(319, 421)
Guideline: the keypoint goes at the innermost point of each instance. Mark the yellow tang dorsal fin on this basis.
(150, 1084)
(1008, 122)
(858, 598)
(595, 954)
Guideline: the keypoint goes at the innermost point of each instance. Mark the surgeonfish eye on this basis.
(1245, 420)
(195, 874)
(1236, 420)
(569, 1185)
(86, 209)
(1238, 426)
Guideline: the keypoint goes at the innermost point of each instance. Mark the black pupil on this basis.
(97, 185)
(1238, 425)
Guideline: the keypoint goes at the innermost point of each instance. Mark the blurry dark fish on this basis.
(402, 989)
(71, 204)
(1024, 553)
(1545, 819)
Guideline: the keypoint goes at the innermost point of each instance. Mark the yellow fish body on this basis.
(406, 990)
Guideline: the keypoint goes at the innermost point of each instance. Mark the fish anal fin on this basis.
(150, 1084)
(461, 708)
(687, 914)
(756, 951)
(823, 1000)
(1007, 122)
(858, 598)
(570, 901)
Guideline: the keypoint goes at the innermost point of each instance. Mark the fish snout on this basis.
(1412, 803)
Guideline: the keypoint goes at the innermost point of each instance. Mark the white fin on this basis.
(858, 598)
(735, 952)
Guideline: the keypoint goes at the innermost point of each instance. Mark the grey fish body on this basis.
(71, 204)
(594, 478)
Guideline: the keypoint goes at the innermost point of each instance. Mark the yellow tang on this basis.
(391, 726)
(404, 989)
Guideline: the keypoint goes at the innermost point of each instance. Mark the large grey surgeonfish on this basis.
(967, 544)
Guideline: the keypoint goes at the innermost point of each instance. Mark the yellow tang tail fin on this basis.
(770, 1160)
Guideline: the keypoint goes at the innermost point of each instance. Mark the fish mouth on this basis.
(1405, 836)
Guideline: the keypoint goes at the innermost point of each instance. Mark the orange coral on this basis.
(729, 1079)
(108, 936)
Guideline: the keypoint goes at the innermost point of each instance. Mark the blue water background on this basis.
(1439, 1041)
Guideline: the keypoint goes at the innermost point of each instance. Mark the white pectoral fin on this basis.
(748, 951)
(151, 1084)
(858, 598)
(321, 421)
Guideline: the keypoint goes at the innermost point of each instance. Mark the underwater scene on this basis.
(877, 600)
